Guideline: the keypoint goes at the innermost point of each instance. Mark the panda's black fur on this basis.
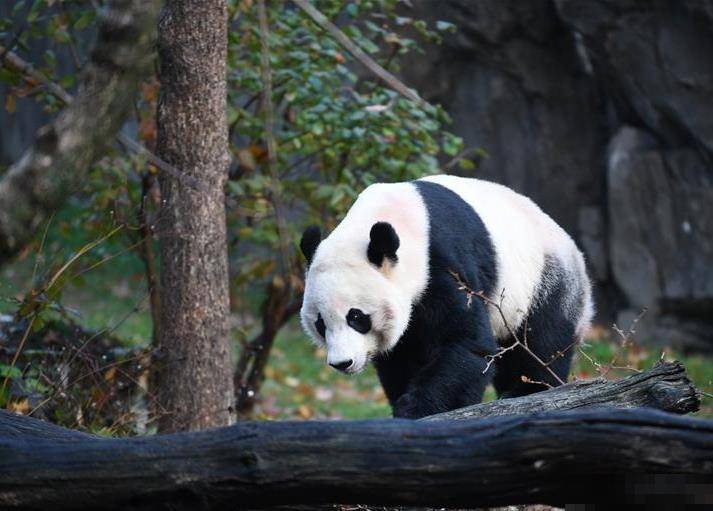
(440, 362)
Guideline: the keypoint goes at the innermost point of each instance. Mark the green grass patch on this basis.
(300, 384)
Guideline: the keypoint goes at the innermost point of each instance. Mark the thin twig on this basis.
(41, 249)
(525, 379)
(14, 62)
(20, 346)
(86, 248)
(561, 353)
(147, 256)
(463, 286)
(626, 339)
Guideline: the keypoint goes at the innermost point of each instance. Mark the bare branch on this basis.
(626, 340)
(15, 63)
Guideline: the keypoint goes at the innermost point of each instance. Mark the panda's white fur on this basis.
(338, 277)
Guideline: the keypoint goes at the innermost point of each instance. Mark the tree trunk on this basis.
(195, 387)
(602, 456)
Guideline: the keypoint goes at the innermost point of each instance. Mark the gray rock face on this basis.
(602, 112)
(655, 59)
(661, 236)
(514, 86)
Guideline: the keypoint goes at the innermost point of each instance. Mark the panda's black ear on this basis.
(310, 241)
(383, 242)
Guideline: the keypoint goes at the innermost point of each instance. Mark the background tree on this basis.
(194, 363)
(54, 167)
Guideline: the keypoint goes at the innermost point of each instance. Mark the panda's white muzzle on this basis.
(346, 353)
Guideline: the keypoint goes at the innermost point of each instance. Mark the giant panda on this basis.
(393, 284)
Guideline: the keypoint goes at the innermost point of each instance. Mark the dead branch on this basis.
(664, 387)
(277, 310)
(625, 340)
(16, 63)
(517, 342)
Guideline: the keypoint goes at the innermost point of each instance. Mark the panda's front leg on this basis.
(455, 378)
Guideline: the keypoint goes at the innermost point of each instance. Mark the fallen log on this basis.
(664, 387)
(592, 456)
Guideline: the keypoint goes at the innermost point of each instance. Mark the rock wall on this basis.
(602, 112)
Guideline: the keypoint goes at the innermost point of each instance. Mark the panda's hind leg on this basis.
(549, 332)
(518, 373)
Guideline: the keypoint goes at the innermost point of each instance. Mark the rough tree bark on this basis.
(551, 457)
(195, 389)
(664, 387)
(53, 168)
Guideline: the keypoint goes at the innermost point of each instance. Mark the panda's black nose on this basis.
(343, 365)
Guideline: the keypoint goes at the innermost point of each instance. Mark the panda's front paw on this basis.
(407, 407)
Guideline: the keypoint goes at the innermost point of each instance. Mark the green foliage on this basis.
(337, 128)
(60, 26)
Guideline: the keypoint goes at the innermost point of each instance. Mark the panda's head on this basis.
(354, 304)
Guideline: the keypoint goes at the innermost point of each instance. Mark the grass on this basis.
(103, 297)
(301, 385)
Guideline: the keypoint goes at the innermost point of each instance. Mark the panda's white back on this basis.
(522, 235)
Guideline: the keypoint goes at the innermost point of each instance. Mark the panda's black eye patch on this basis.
(359, 321)
(319, 325)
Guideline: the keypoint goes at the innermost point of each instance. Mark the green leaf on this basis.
(8, 371)
(466, 164)
(84, 20)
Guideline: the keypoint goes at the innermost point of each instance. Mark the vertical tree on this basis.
(195, 371)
